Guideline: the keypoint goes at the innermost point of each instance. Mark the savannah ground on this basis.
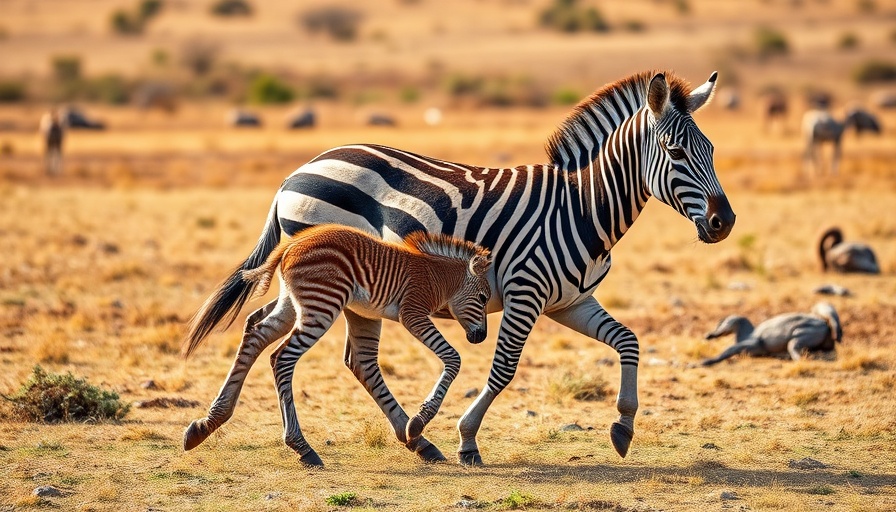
(103, 266)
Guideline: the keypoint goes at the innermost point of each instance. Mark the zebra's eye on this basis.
(676, 153)
(483, 297)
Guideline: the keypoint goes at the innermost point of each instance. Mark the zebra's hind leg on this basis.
(283, 362)
(590, 318)
(361, 352)
(263, 327)
(423, 329)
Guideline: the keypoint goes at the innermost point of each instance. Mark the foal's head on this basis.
(467, 303)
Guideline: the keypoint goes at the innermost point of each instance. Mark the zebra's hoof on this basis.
(621, 436)
(469, 458)
(430, 454)
(312, 460)
(196, 433)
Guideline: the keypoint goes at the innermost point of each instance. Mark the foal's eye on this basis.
(676, 153)
(483, 297)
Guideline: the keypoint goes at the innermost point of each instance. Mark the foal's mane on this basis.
(605, 103)
(437, 244)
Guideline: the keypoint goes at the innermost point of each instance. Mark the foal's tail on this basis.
(227, 300)
(260, 278)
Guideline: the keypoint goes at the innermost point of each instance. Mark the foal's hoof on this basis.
(312, 460)
(469, 458)
(430, 454)
(196, 433)
(621, 436)
(414, 427)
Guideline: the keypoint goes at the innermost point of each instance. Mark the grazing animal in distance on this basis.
(242, 118)
(775, 107)
(839, 256)
(303, 119)
(328, 269)
(820, 127)
(52, 130)
(790, 333)
(550, 226)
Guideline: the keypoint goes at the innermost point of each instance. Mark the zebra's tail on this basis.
(225, 303)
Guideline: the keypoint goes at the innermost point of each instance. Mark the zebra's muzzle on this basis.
(718, 221)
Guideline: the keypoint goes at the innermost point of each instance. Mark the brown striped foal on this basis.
(328, 269)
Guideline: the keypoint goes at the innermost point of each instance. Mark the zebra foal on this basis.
(328, 269)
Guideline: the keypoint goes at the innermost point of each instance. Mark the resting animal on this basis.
(841, 256)
(793, 333)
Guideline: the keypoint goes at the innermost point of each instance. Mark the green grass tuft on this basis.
(53, 398)
(343, 499)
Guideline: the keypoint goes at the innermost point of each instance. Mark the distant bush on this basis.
(634, 26)
(11, 91)
(266, 89)
(872, 71)
(52, 398)
(409, 94)
(110, 88)
(321, 87)
(567, 16)
(340, 23)
(126, 22)
(226, 8)
(866, 6)
(566, 96)
(461, 85)
(199, 56)
(683, 7)
(66, 68)
(770, 42)
(848, 41)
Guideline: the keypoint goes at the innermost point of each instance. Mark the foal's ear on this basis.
(479, 264)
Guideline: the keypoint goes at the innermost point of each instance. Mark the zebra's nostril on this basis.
(715, 222)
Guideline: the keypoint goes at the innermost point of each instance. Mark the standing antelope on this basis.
(820, 127)
(550, 227)
(327, 269)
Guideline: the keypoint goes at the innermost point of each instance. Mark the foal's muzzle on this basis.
(476, 334)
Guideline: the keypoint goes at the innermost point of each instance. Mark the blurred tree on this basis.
(231, 8)
(340, 23)
(199, 56)
(267, 88)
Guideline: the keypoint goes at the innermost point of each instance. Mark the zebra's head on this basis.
(679, 158)
(468, 305)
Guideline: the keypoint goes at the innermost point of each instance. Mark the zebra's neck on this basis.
(608, 193)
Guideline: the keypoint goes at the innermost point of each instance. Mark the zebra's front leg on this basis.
(361, 353)
(263, 327)
(590, 319)
(423, 329)
(283, 362)
(520, 314)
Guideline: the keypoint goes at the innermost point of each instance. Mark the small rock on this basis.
(522, 390)
(328, 442)
(471, 393)
(272, 496)
(729, 495)
(149, 384)
(572, 427)
(47, 491)
(651, 350)
(606, 361)
(806, 463)
(656, 361)
(739, 286)
(531, 414)
(467, 502)
(676, 302)
(833, 289)
(710, 446)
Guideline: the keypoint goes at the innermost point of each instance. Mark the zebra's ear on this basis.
(658, 95)
(702, 95)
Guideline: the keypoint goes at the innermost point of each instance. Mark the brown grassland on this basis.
(103, 266)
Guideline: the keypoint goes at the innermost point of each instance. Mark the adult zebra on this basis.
(550, 228)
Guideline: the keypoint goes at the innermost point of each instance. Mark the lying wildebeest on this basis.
(792, 333)
(839, 256)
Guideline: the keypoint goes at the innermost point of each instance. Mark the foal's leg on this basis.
(314, 323)
(361, 352)
(749, 346)
(423, 329)
(263, 327)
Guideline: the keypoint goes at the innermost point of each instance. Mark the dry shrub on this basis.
(710, 421)
(805, 398)
(142, 434)
(374, 434)
(165, 338)
(578, 386)
(699, 349)
(52, 398)
(862, 361)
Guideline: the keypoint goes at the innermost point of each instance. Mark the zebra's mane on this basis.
(444, 245)
(609, 106)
